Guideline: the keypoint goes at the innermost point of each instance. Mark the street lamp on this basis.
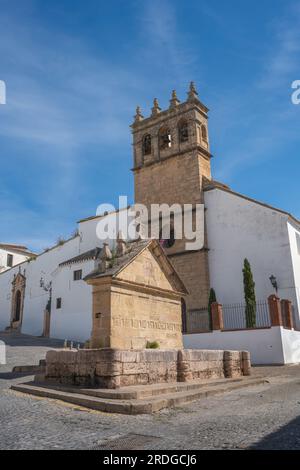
(273, 281)
(47, 288)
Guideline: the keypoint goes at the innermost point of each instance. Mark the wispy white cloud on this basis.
(163, 49)
(63, 99)
(262, 113)
(282, 60)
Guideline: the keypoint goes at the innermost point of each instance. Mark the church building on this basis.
(171, 165)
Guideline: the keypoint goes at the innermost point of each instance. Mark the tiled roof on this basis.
(91, 254)
(19, 248)
(134, 248)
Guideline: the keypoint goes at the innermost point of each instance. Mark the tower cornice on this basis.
(204, 153)
(179, 110)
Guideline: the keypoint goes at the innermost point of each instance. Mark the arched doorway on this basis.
(18, 303)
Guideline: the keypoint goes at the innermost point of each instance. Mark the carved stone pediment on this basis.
(19, 280)
(17, 300)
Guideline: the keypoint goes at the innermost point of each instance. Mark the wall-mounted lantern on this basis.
(273, 281)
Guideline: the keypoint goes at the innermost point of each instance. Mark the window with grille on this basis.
(77, 275)
(10, 261)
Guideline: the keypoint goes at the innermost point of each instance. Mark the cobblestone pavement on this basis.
(265, 416)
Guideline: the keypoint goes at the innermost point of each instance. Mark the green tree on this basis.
(249, 294)
(211, 300)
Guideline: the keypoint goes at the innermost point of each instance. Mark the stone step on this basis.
(34, 369)
(139, 392)
(137, 406)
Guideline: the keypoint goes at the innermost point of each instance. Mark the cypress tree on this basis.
(249, 294)
(212, 299)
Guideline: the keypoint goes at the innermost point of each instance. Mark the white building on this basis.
(11, 254)
(57, 272)
(171, 165)
(239, 227)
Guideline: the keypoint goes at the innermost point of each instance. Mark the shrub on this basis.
(211, 300)
(152, 345)
(60, 241)
(75, 233)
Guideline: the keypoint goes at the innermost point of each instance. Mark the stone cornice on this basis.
(145, 288)
(187, 252)
(196, 147)
(181, 109)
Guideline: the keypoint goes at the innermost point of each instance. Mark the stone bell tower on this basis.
(171, 160)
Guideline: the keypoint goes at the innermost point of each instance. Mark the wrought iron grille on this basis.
(239, 316)
(198, 321)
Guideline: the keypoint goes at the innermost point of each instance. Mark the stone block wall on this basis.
(200, 364)
(113, 368)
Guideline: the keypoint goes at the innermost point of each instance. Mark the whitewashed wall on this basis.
(36, 298)
(88, 229)
(17, 258)
(74, 320)
(291, 346)
(238, 228)
(265, 346)
(294, 233)
(274, 345)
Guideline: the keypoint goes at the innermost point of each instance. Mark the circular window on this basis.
(167, 242)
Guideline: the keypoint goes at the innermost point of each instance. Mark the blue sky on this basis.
(75, 71)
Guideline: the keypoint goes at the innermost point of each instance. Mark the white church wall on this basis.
(44, 266)
(73, 320)
(88, 236)
(5, 297)
(238, 228)
(265, 345)
(291, 346)
(294, 237)
(88, 229)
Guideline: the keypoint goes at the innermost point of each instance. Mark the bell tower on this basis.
(171, 160)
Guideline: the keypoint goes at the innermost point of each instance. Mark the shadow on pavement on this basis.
(13, 339)
(285, 438)
(14, 375)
